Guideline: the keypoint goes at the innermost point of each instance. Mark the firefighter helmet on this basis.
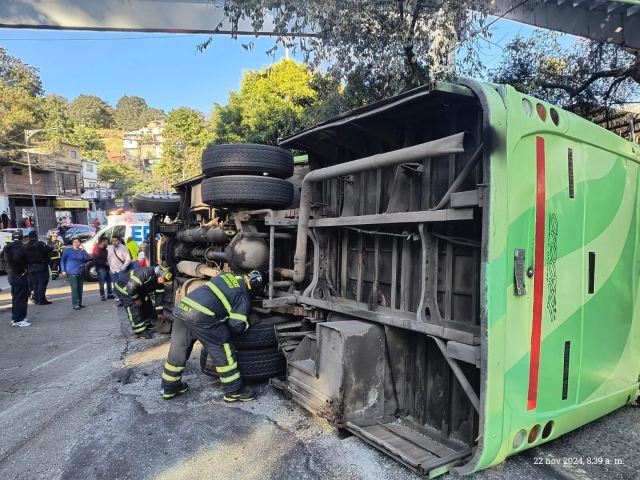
(168, 273)
(258, 281)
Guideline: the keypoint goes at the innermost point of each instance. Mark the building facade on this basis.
(144, 146)
(57, 185)
(90, 174)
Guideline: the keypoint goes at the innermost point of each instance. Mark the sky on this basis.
(165, 69)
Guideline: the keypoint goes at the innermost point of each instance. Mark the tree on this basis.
(20, 90)
(150, 115)
(272, 103)
(129, 111)
(589, 78)
(91, 111)
(127, 179)
(185, 137)
(90, 143)
(397, 44)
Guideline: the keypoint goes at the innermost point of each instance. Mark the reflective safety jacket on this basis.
(58, 247)
(225, 298)
(139, 283)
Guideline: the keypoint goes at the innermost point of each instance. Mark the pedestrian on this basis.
(17, 269)
(134, 288)
(142, 255)
(209, 314)
(62, 229)
(133, 248)
(72, 266)
(119, 257)
(4, 218)
(54, 257)
(96, 222)
(101, 263)
(27, 222)
(38, 257)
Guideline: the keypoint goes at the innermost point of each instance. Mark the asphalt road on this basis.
(80, 399)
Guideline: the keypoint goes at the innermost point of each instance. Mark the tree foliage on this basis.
(126, 179)
(91, 111)
(393, 45)
(590, 78)
(185, 137)
(132, 113)
(273, 102)
(20, 90)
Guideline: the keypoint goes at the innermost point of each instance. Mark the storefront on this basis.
(72, 211)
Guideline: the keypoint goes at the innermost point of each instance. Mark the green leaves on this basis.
(20, 89)
(91, 111)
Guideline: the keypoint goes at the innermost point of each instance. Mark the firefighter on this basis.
(133, 289)
(54, 258)
(209, 314)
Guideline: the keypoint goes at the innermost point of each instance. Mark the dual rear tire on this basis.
(237, 176)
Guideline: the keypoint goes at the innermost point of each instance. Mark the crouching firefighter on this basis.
(54, 257)
(209, 314)
(133, 289)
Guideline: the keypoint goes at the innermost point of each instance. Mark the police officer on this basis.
(38, 258)
(133, 289)
(16, 266)
(54, 256)
(209, 314)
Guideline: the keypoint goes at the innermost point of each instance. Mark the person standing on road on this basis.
(72, 266)
(4, 218)
(38, 258)
(119, 259)
(17, 268)
(133, 248)
(134, 288)
(54, 258)
(101, 263)
(209, 314)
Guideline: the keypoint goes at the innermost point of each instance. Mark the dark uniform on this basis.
(54, 257)
(38, 258)
(137, 285)
(209, 314)
(17, 270)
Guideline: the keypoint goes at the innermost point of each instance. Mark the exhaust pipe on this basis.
(195, 269)
(453, 144)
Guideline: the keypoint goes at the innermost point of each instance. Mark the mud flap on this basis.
(421, 452)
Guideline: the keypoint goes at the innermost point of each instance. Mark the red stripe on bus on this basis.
(538, 277)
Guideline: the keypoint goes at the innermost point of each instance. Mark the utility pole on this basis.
(27, 135)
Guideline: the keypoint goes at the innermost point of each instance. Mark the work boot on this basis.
(110, 296)
(243, 394)
(54, 277)
(45, 302)
(103, 298)
(182, 388)
(144, 334)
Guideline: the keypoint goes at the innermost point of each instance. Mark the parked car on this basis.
(83, 232)
(73, 225)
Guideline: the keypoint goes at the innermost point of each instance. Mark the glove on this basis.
(139, 303)
(161, 317)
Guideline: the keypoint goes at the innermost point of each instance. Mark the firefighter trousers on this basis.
(216, 340)
(139, 317)
(55, 268)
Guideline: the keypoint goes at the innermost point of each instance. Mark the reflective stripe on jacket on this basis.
(223, 298)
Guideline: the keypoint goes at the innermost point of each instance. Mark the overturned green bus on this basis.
(459, 266)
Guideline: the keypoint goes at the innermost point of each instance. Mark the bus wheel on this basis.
(152, 203)
(244, 191)
(247, 159)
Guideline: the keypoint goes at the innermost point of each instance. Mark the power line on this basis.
(149, 37)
